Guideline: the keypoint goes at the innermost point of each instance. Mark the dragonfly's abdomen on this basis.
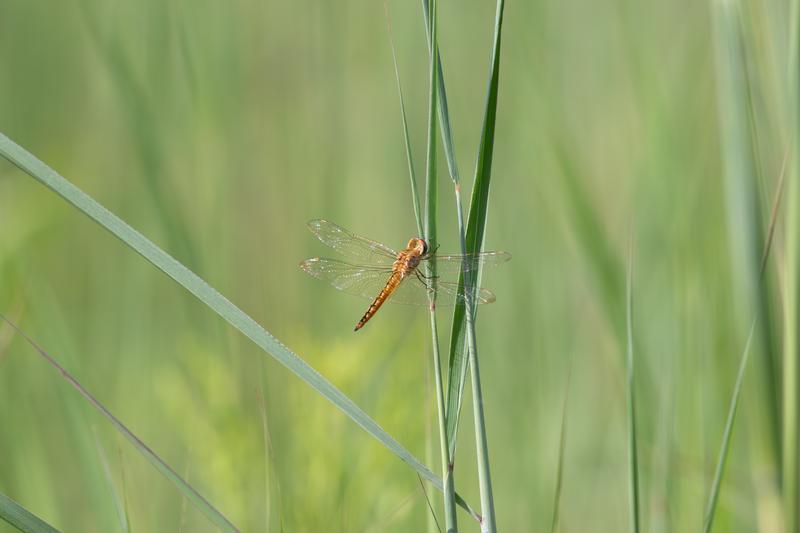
(388, 289)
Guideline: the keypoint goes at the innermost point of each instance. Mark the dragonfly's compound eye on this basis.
(424, 247)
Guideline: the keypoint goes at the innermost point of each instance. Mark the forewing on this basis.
(363, 281)
(452, 263)
(355, 247)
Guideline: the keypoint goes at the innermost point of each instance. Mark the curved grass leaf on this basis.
(22, 519)
(188, 491)
(27, 162)
(476, 226)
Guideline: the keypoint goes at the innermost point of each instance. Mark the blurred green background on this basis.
(218, 129)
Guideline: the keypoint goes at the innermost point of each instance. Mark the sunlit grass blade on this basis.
(187, 490)
(22, 519)
(562, 444)
(212, 298)
(633, 451)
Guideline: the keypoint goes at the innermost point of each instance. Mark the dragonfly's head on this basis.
(418, 245)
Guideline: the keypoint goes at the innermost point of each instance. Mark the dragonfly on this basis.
(379, 273)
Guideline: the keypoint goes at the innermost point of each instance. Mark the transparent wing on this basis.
(413, 291)
(452, 263)
(363, 281)
(448, 294)
(353, 246)
(368, 281)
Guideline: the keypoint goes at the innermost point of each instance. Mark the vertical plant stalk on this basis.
(633, 454)
(488, 524)
(431, 191)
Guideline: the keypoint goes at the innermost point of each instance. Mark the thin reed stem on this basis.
(484, 475)
(431, 191)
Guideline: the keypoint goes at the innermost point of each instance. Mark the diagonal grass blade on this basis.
(27, 162)
(190, 492)
(22, 519)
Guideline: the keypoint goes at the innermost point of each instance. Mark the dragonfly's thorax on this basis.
(409, 259)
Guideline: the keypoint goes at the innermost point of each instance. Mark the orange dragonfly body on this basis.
(381, 274)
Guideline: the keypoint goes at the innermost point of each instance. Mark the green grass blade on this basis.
(471, 237)
(734, 402)
(187, 490)
(22, 519)
(475, 230)
(431, 204)
(212, 298)
(562, 444)
(409, 156)
(441, 98)
(726, 436)
(633, 453)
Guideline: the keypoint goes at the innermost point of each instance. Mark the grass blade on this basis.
(27, 162)
(187, 490)
(633, 453)
(22, 519)
(726, 436)
(473, 240)
(432, 197)
(734, 402)
(441, 99)
(562, 443)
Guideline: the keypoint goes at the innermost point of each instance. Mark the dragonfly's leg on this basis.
(422, 277)
(420, 274)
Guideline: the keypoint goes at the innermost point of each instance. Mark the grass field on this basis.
(636, 142)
